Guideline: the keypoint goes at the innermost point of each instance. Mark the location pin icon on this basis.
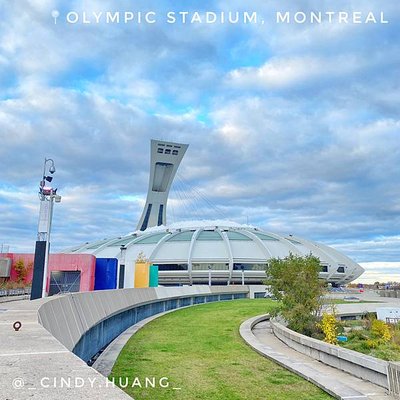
(55, 14)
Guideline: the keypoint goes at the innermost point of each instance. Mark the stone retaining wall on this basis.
(355, 363)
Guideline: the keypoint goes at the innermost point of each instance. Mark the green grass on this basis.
(200, 351)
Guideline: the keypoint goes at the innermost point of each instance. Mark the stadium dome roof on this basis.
(186, 252)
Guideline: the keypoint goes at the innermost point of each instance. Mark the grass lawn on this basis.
(200, 351)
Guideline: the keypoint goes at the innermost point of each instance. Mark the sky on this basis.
(292, 127)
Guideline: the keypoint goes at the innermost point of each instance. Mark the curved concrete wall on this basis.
(86, 322)
(353, 362)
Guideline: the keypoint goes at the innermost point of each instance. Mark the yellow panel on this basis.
(142, 274)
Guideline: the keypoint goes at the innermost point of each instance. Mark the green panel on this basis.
(263, 236)
(97, 244)
(209, 235)
(293, 241)
(182, 237)
(151, 239)
(153, 278)
(236, 236)
(123, 241)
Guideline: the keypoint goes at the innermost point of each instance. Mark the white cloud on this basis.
(380, 272)
(287, 72)
(293, 127)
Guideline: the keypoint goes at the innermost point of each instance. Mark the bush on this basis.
(381, 330)
(371, 344)
(328, 325)
(396, 337)
(22, 270)
(358, 335)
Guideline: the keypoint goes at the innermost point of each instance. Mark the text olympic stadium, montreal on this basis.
(221, 17)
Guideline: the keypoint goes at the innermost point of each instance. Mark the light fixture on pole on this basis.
(47, 197)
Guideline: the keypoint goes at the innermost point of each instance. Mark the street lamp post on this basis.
(209, 275)
(47, 197)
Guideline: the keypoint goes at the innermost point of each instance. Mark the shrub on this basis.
(358, 335)
(22, 270)
(381, 330)
(328, 325)
(396, 337)
(371, 344)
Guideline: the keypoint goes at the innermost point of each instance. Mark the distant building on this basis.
(187, 253)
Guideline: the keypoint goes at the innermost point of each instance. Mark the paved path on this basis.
(36, 366)
(339, 384)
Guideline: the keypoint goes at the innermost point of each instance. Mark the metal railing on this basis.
(14, 292)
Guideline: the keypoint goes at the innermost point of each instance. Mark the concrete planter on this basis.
(357, 364)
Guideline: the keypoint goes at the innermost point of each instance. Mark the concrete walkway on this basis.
(339, 384)
(34, 365)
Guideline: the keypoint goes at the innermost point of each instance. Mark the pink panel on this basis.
(86, 263)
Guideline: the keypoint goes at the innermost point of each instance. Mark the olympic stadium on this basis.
(200, 252)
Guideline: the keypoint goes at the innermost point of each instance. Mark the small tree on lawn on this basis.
(295, 281)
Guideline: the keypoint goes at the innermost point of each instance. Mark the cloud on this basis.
(288, 72)
(380, 272)
(294, 128)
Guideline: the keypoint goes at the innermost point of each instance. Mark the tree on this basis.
(295, 281)
(22, 270)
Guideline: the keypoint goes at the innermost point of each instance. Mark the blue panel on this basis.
(225, 297)
(185, 301)
(198, 300)
(106, 273)
(171, 304)
(146, 218)
(160, 215)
